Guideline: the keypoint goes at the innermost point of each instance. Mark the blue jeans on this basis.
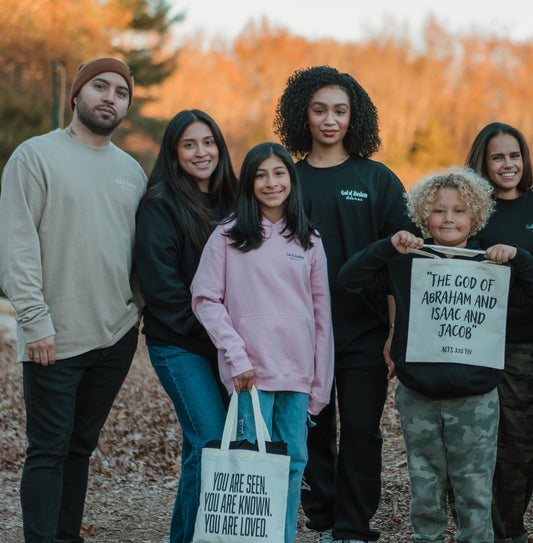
(285, 415)
(67, 404)
(191, 382)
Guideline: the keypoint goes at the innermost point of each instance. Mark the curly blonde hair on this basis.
(474, 190)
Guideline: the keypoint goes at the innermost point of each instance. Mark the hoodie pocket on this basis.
(279, 345)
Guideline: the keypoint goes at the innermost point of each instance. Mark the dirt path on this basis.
(135, 470)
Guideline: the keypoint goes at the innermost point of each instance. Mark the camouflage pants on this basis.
(513, 478)
(453, 439)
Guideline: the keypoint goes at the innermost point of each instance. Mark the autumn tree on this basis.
(432, 97)
(35, 33)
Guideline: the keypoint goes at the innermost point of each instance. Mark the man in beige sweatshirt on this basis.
(67, 222)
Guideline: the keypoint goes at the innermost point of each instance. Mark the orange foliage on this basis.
(432, 99)
(57, 25)
(34, 32)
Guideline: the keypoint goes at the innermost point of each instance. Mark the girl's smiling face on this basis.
(328, 115)
(272, 186)
(449, 222)
(504, 165)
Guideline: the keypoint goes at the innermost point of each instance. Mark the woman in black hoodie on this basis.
(191, 186)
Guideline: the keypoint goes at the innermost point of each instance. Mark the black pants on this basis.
(513, 477)
(342, 491)
(67, 404)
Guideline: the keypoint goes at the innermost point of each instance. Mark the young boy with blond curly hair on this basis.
(449, 411)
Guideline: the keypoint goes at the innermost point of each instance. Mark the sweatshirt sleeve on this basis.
(159, 268)
(208, 292)
(22, 204)
(320, 392)
(367, 268)
(521, 289)
(393, 208)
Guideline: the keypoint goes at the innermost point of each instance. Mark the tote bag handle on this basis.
(230, 427)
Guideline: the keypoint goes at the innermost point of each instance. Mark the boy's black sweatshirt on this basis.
(381, 267)
(353, 204)
(166, 260)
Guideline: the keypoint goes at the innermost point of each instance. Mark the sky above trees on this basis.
(354, 20)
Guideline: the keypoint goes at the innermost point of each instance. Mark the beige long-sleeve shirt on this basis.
(67, 224)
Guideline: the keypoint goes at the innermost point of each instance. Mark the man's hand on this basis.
(43, 351)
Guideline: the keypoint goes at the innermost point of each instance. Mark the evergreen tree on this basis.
(153, 62)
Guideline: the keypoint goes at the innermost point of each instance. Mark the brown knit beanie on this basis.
(92, 68)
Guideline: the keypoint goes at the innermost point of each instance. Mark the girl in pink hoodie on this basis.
(261, 292)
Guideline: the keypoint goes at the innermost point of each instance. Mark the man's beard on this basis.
(98, 126)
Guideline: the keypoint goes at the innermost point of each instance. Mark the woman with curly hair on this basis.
(448, 411)
(328, 121)
(191, 186)
(501, 155)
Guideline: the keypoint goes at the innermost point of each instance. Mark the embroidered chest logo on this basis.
(355, 195)
(125, 184)
(529, 226)
(295, 257)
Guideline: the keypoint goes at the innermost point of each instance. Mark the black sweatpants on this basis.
(342, 490)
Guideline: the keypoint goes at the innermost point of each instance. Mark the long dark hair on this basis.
(362, 137)
(247, 232)
(477, 156)
(168, 180)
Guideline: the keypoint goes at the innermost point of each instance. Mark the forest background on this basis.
(433, 96)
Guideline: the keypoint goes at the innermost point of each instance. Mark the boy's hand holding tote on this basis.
(244, 487)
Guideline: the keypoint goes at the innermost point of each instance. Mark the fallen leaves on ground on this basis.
(135, 469)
